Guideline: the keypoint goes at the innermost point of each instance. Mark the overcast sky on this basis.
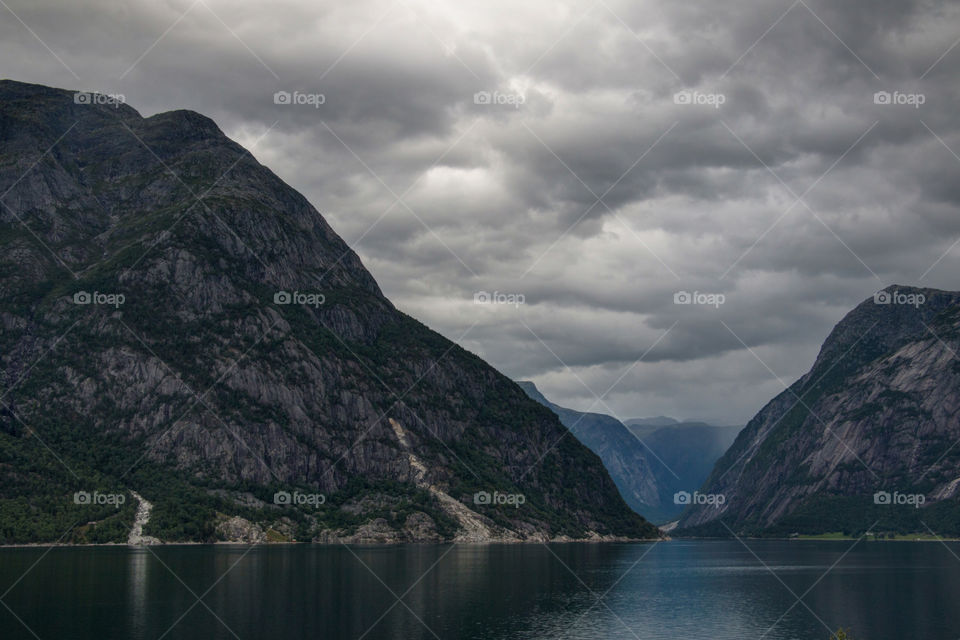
(629, 150)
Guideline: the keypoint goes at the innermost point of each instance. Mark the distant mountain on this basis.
(655, 422)
(643, 427)
(180, 324)
(867, 439)
(684, 454)
(650, 459)
(622, 454)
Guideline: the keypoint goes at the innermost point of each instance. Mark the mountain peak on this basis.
(182, 325)
(876, 413)
(656, 421)
(63, 103)
(881, 323)
(189, 122)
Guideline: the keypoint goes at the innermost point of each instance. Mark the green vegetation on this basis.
(831, 517)
(875, 536)
(112, 404)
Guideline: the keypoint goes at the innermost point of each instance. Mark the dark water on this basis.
(686, 590)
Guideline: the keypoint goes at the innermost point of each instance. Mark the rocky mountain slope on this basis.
(180, 323)
(867, 439)
(650, 423)
(686, 453)
(623, 455)
(649, 460)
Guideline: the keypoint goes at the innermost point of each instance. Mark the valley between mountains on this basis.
(181, 325)
(191, 354)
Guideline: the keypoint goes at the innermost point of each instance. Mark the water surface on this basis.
(710, 590)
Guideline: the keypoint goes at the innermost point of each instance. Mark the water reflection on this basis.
(690, 590)
(137, 566)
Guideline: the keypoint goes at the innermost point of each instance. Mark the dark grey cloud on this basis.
(503, 197)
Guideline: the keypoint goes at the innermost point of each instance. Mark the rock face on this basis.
(179, 322)
(623, 455)
(650, 460)
(684, 455)
(136, 537)
(237, 529)
(877, 414)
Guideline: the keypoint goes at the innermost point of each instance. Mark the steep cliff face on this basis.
(685, 453)
(179, 322)
(623, 455)
(652, 461)
(879, 413)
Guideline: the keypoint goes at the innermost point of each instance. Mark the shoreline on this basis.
(237, 543)
(928, 538)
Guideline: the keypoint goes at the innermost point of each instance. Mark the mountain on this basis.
(650, 423)
(685, 453)
(186, 342)
(649, 459)
(868, 439)
(622, 454)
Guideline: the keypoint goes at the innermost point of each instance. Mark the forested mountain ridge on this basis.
(180, 323)
(868, 438)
